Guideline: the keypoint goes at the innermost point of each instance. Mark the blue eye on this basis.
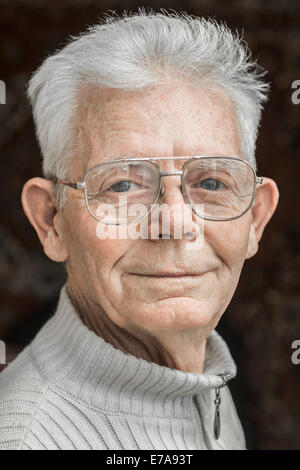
(122, 186)
(212, 184)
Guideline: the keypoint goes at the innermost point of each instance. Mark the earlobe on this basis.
(39, 205)
(252, 243)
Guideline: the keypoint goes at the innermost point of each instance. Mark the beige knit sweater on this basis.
(70, 389)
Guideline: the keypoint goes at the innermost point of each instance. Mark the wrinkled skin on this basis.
(164, 320)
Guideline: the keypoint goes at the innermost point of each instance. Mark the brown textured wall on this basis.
(263, 318)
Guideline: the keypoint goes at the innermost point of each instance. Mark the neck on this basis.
(184, 350)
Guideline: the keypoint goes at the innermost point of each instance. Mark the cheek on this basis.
(110, 251)
(93, 254)
(229, 240)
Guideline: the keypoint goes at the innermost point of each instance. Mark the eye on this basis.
(212, 184)
(123, 186)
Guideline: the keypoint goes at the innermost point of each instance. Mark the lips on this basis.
(168, 274)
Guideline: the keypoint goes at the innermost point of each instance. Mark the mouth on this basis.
(168, 275)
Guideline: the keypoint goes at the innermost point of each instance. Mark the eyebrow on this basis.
(229, 162)
(122, 156)
(126, 156)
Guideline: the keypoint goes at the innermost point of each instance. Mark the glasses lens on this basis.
(221, 187)
(121, 192)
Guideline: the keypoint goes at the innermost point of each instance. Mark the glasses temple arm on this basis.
(77, 185)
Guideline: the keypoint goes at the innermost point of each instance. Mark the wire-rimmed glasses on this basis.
(223, 187)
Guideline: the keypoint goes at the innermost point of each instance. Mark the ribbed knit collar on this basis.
(82, 364)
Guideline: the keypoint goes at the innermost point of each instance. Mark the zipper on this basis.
(226, 376)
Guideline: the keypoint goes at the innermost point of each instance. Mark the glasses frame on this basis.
(81, 185)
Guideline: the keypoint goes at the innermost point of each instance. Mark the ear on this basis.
(39, 204)
(265, 203)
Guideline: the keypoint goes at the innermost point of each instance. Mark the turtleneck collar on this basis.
(80, 363)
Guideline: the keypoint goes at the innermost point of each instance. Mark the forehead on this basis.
(162, 121)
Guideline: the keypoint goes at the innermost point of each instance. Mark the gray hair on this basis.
(137, 51)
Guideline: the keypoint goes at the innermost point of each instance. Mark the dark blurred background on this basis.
(263, 318)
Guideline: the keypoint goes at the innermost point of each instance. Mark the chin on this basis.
(175, 314)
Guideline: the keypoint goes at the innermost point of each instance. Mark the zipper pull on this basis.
(217, 401)
(217, 420)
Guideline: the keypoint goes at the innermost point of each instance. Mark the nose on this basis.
(172, 217)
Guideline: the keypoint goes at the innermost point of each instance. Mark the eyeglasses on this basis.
(223, 187)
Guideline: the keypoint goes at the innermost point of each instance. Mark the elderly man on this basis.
(140, 112)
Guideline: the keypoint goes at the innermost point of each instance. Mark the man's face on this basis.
(118, 274)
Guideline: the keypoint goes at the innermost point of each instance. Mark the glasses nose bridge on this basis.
(170, 173)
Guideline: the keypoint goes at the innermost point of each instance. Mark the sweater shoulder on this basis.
(21, 391)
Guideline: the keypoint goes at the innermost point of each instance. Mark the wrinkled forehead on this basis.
(161, 121)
